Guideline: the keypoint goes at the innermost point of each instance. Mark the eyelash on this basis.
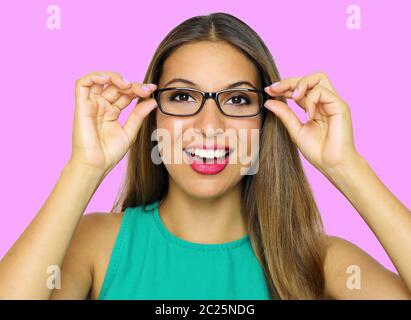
(184, 93)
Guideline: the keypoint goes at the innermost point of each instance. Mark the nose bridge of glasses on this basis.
(212, 96)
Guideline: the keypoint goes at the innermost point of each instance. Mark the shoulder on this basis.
(101, 221)
(102, 229)
(88, 255)
(351, 273)
(97, 229)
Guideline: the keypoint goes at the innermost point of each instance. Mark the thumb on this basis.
(287, 117)
(136, 117)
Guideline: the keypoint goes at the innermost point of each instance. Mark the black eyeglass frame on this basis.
(207, 95)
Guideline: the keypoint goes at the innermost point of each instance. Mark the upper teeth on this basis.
(209, 153)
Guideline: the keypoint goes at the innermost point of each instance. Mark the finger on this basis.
(120, 81)
(111, 93)
(95, 82)
(309, 106)
(287, 117)
(282, 86)
(303, 84)
(117, 79)
(96, 89)
(136, 117)
(309, 82)
(112, 111)
(84, 84)
(297, 88)
(287, 93)
(123, 101)
(144, 89)
(330, 103)
(103, 106)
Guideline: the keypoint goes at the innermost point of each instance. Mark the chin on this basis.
(204, 192)
(204, 186)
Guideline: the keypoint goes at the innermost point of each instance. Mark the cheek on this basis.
(246, 123)
(246, 130)
(169, 135)
(248, 140)
(168, 124)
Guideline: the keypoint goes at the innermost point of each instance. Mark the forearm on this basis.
(387, 217)
(23, 270)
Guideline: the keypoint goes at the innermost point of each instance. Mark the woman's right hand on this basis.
(99, 141)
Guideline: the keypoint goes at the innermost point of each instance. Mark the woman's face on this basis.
(212, 67)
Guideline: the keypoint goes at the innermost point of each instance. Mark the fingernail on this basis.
(275, 84)
(104, 76)
(295, 93)
(126, 81)
(307, 115)
(148, 86)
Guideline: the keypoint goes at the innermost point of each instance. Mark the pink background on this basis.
(370, 69)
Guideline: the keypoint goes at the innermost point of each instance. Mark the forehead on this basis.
(211, 65)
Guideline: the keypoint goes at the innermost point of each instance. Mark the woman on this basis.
(202, 228)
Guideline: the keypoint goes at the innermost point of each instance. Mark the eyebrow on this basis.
(230, 86)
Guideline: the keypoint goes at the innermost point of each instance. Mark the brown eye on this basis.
(239, 99)
(182, 97)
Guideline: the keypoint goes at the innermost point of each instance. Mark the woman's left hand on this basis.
(326, 139)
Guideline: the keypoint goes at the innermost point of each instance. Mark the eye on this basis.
(237, 100)
(182, 97)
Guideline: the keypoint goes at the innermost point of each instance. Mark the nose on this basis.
(209, 120)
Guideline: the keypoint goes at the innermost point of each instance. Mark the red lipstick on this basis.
(204, 165)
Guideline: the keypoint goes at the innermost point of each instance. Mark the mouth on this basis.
(208, 160)
(216, 154)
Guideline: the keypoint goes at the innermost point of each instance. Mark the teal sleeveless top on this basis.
(149, 262)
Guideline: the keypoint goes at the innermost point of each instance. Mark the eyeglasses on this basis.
(182, 102)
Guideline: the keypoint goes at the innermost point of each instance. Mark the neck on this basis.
(203, 220)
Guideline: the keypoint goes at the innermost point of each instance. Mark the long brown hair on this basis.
(284, 223)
